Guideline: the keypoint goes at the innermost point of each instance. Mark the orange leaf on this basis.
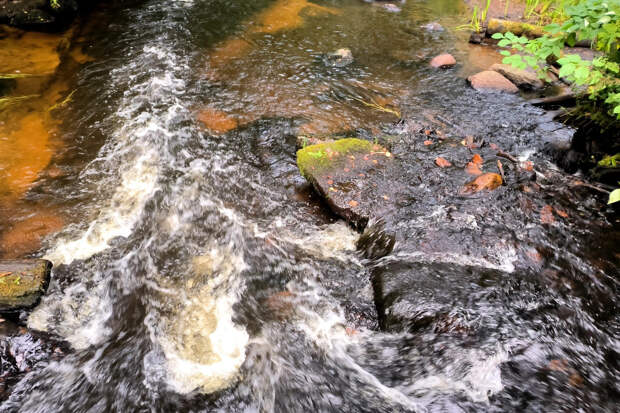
(477, 159)
(353, 203)
(473, 169)
(426, 143)
(442, 163)
(330, 182)
(528, 166)
(561, 213)
(4, 274)
(488, 181)
(546, 215)
(427, 132)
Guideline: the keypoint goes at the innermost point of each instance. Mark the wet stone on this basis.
(524, 79)
(489, 80)
(22, 283)
(340, 58)
(350, 175)
(443, 61)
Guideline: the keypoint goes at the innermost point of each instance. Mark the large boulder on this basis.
(489, 80)
(524, 79)
(350, 175)
(22, 283)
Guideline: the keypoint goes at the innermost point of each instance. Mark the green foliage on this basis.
(478, 19)
(614, 196)
(597, 21)
(54, 4)
(610, 161)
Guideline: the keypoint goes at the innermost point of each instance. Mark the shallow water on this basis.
(198, 272)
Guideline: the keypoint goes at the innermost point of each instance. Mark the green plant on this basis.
(478, 19)
(54, 4)
(596, 21)
(614, 196)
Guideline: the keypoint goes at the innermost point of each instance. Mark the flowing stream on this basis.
(197, 271)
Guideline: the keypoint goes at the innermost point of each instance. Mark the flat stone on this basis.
(22, 283)
(524, 79)
(443, 61)
(490, 80)
(349, 175)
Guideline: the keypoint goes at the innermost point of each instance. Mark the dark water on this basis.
(199, 273)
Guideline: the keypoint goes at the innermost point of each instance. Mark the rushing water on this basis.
(199, 274)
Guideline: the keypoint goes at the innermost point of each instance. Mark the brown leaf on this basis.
(494, 146)
(473, 168)
(353, 203)
(558, 365)
(442, 163)
(561, 213)
(546, 215)
(427, 142)
(528, 166)
(488, 181)
(5, 273)
(477, 159)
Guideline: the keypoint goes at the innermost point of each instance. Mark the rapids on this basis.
(197, 271)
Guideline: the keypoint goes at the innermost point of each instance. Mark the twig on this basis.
(597, 188)
(508, 156)
(501, 171)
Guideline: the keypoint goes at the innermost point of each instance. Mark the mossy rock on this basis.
(22, 283)
(517, 28)
(351, 175)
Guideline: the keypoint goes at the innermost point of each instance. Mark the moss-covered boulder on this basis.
(22, 283)
(351, 174)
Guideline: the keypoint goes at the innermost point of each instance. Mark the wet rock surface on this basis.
(352, 176)
(489, 80)
(22, 283)
(443, 61)
(524, 79)
(39, 15)
(23, 351)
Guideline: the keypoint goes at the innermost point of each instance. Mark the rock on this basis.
(303, 141)
(391, 7)
(23, 350)
(217, 121)
(349, 175)
(22, 283)
(477, 37)
(518, 28)
(340, 58)
(39, 15)
(524, 79)
(443, 61)
(433, 27)
(489, 80)
(584, 52)
(375, 242)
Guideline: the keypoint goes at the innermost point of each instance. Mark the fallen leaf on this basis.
(534, 255)
(4, 274)
(361, 175)
(546, 215)
(353, 203)
(473, 168)
(494, 146)
(330, 182)
(427, 132)
(347, 169)
(477, 159)
(442, 163)
(350, 331)
(528, 166)
(561, 213)
(427, 142)
(575, 380)
(375, 161)
(387, 198)
(488, 181)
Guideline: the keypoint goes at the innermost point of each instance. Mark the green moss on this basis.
(314, 159)
(17, 285)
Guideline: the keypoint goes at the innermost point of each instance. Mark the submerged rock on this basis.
(491, 81)
(443, 61)
(340, 58)
(433, 27)
(22, 283)
(348, 173)
(40, 15)
(524, 79)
